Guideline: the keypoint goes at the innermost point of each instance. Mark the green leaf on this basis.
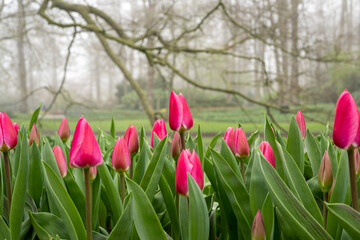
(252, 138)
(65, 205)
(112, 128)
(112, 193)
(200, 147)
(228, 155)
(303, 224)
(313, 150)
(212, 144)
(267, 212)
(48, 225)
(19, 192)
(198, 213)
(258, 190)
(35, 174)
(184, 217)
(4, 230)
(34, 117)
(122, 229)
(95, 202)
(333, 159)
(49, 158)
(141, 163)
(146, 221)
(295, 145)
(348, 218)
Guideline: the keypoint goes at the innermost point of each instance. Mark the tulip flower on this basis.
(85, 151)
(160, 129)
(237, 142)
(357, 161)
(188, 163)
(60, 160)
(131, 139)
(268, 152)
(258, 228)
(64, 130)
(92, 173)
(346, 121)
(301, 123)
(17, 128)
(325, 176)
(34, 135)
(180, 118)
(175, 148)
(121, 160)
(8, 133)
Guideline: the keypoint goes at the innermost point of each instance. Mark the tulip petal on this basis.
(183, 166)
(229, 139)
(301, 123)
(241, 143)
(196, 170)
(175, 112)
(187, 120)
(64, 130)
(9, 133)
(121, 160)
(60, 160)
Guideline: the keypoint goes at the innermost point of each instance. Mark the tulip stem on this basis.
(122, 187)
(182, 137)
(7, 178)
(88, 203)
(326, 194)
(353, 185)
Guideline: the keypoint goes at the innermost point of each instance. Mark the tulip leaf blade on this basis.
(212, 144)
(295, 145)
(200, 146)
(112, 128)
(302, 222)
(267, 212)
(198, 212)
(146, 221)
(228, 155)
(348, 218)
(141, 161)
(49, 158)
(122, 229)
(258, 190)
(64, 203)
(35, 174)
(19, 192)
(34, 117)
(4, 230)
(313, 150)
(48, 225)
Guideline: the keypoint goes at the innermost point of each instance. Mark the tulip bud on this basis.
(258, 228)
(160, 129)
(180, 118)
(84, 151)
(229, 138)
(357, 161)
(346, 121)
(268, 152)
(64, 130)
(92, 173)
(175, 148)
(131, 139)
(34, 135)
(16, 126)
(237, 142)
(188, 163)
(301, 123)
(121, 160)
(60, 160)
(8, 133)
(325, 176)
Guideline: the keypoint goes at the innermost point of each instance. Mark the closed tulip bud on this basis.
(131, 138)
(237, 142)
(188, 163)
(8, 133)
(60, 160)
(301, 123)
(268, 152)
(175, 148)
(346, 121)
(34, 135)
(180, 118)
(121, 160)
(92, 173)
(64, 130)
(229, 138)
(159, 129)
(357, 161)
(16, 126)
(84, 151)
(258, 228)
(325, 176)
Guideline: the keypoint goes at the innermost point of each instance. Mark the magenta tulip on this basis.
(229, 139)
(180, 118)
(258, 228)
(325, 176)
(8, 133)
(237, 142)
(160, 129)
(92, 173)
(268, 152)
(85, 151)
(16, 126)
(131, 139)
(188, 163)
(34, 135)
(64, 130)
(301, 123)
(346, 121)
(121, 160)
(60, 160)
(175, 148)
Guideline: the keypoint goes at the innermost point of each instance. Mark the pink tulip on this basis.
(180, 118)
(131, 138)
(16, 126)
(346, 121)
(60, 160)
(85, 151)
(268, 152)
(188, 163)
(92, 173)
(160, 129)
(237, 142)
(64, 130)
(8, 133)
(258, 228)
(121, 160)
(34, 135)
(175, 148)
(301, 123)
(325, 176)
